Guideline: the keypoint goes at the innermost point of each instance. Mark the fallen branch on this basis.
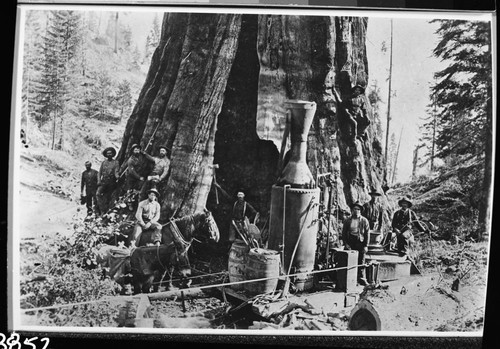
(446, 293)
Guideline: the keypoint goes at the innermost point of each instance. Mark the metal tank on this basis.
(293, 223)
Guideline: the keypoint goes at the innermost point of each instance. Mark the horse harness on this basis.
(178, 238)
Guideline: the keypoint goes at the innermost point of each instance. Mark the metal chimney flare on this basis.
(295, 200)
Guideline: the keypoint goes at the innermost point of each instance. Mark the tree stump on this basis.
(368, 314)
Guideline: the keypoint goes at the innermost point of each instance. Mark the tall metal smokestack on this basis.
(294, 201)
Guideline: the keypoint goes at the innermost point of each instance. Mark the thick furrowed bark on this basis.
(209, 50)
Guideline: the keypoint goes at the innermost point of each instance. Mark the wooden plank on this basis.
(234, 294)
(194, 292)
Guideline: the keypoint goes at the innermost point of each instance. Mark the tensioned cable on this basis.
(158, 294)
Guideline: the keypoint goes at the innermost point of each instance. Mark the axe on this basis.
(215, 166)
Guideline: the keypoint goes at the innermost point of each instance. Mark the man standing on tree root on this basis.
(107, 178)
(89, 183)
(136, 166)
(159, 172)
(356, 111)
(402, 223)
(147, 215)
(375, 212)
(355, 234)
(242, 211)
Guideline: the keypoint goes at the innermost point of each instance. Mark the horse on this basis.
(177, 237)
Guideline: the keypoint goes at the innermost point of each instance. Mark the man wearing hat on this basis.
(136, 168)
(355, 237)
(355, 108)
(403, 221)
(106, 179)
(159, 172)
(89, 182)
(374, 211)
(147, 215)
(242, 212)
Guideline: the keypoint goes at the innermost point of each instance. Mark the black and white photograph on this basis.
(251, 171)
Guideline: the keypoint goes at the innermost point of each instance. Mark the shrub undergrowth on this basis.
(58, 271)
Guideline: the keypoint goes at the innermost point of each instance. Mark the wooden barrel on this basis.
(237, 262)
(262, 263)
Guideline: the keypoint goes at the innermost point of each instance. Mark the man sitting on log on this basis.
(402, 223)
(355, 235)
(148, 214)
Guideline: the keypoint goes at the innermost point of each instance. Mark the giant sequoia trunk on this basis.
(180, 102)
(215, 94)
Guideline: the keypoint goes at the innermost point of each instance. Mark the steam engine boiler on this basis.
(294, 201)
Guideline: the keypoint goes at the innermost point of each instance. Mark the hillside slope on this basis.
(450, 199)
(50, 180)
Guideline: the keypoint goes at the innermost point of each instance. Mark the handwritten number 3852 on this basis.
(13, 342)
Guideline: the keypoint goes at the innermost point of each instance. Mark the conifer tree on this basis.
(153, 39)
(59, 48)
(463, 88)
(31, 72)
(124, 98)
(463, 95)
(375, 99)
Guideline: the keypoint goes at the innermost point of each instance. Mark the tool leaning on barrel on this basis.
(241, 213)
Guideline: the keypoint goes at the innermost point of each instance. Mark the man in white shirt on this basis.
(147, 215)
(355, 235)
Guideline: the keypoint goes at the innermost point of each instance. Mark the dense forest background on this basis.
(81, 67)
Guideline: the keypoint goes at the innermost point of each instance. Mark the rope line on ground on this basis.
(198, 288)
(193, 277)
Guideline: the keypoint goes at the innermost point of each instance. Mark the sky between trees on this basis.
(412, 75)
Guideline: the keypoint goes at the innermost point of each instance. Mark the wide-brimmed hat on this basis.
(113, 150)
(135, 145)
(358, 86)
(357, 204)
(405, 199)
(154, 191)
(163, 147)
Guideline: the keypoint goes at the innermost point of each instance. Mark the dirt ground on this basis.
(427, 303)
(47, 199)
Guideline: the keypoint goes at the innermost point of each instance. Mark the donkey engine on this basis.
(295, 200)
